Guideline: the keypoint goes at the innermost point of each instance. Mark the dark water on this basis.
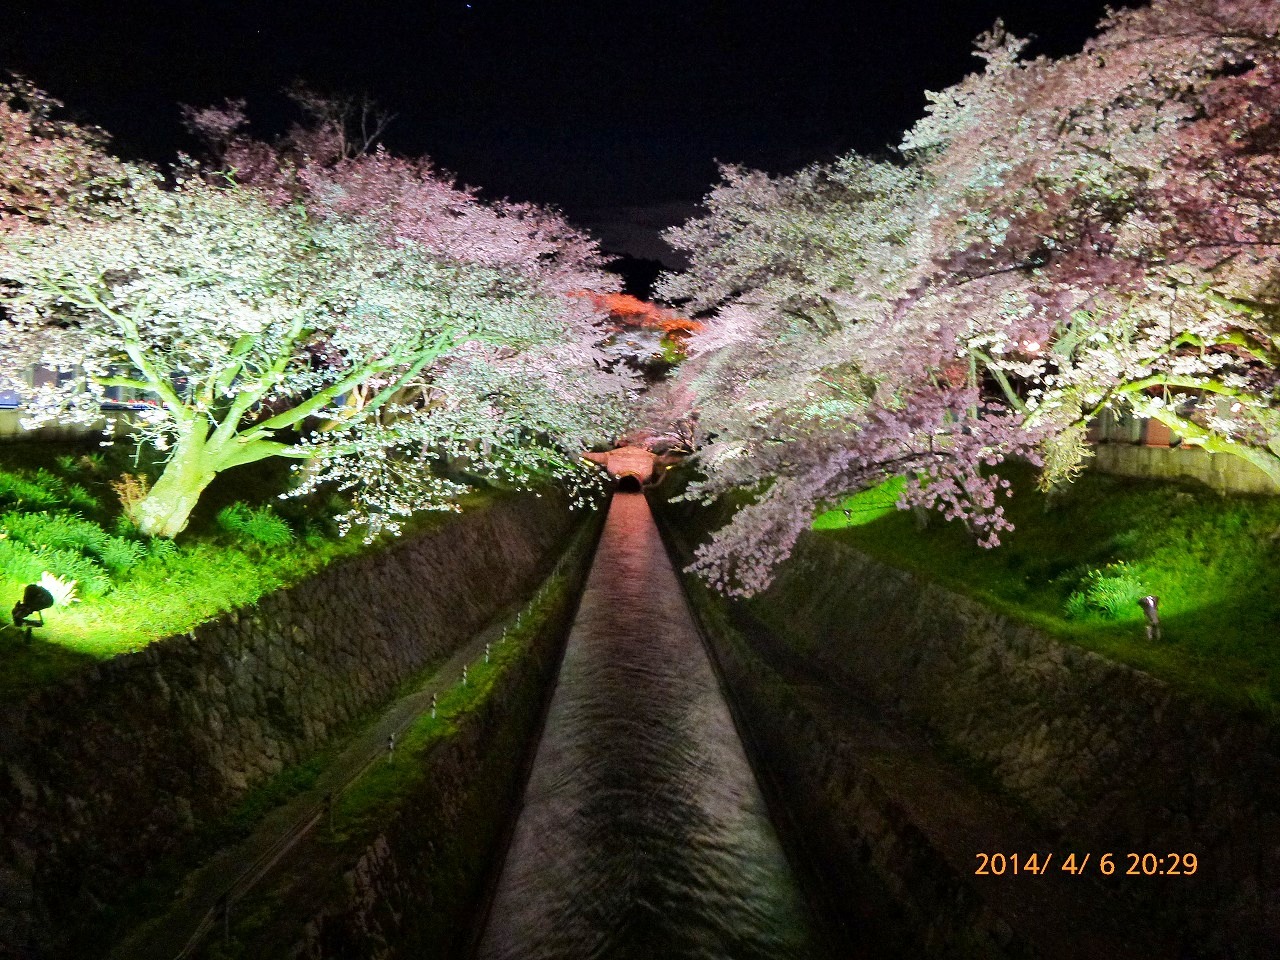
(643, 832)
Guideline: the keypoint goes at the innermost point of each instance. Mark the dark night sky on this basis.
(590, 106)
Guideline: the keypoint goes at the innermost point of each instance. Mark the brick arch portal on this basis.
(631, 465)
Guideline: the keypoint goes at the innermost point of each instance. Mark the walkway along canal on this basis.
(643, 831)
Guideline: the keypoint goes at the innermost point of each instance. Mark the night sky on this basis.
(615, 112)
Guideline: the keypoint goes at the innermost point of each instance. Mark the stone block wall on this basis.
(117, 767)
(419, 887)
(907, 728)
(411, 876)
(1223, 473)
(885, 888)
(1102, 756)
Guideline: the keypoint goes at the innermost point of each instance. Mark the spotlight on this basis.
(1151, 610)
(34, 599)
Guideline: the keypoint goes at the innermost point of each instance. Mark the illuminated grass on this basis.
(863, 507)
(153, 589)
(1213, 561)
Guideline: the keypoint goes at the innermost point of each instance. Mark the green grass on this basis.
(1077, 561)
(862, 508)
(58, 513)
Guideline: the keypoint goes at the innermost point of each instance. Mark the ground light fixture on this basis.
(35, 598)
(1151, 610)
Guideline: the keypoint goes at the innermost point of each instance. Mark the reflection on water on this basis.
(643, 832)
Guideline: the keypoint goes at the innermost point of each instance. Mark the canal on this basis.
(643, 831)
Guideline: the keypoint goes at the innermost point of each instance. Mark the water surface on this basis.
(643, 832)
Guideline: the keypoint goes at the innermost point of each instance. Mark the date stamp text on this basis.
(1078, 864)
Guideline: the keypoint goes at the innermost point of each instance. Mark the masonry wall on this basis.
(1106, 756)
(106, 773)
(1224, 473)
(415, 889)
(413, 880)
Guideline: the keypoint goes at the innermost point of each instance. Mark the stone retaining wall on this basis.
(412, 880)
(412, 892)
(1108, 757)
(104, 774)
(886, 889)
(1222, 472)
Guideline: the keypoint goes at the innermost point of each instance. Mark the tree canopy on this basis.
(354, 310)
(1054, 237)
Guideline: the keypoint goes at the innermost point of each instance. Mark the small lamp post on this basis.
(1151, 610)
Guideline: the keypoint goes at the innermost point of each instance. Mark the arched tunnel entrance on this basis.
(632, 467)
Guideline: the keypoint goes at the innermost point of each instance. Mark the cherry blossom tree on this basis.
(1090, 199)
(809, 384)
(50, 167)
(1056, 237)
(51, 170)
(333, 313)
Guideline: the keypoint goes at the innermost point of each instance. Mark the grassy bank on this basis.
(1078, 560)
(61, 514)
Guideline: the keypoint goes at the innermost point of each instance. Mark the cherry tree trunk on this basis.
(165, 510)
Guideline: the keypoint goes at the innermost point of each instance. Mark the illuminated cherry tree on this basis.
(1100, 205)
(333, 313)
(51, 169)
(1056, 238)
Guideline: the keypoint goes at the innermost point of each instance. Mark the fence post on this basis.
(224, 905)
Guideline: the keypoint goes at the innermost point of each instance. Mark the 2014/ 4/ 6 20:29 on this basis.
(1037, 864)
